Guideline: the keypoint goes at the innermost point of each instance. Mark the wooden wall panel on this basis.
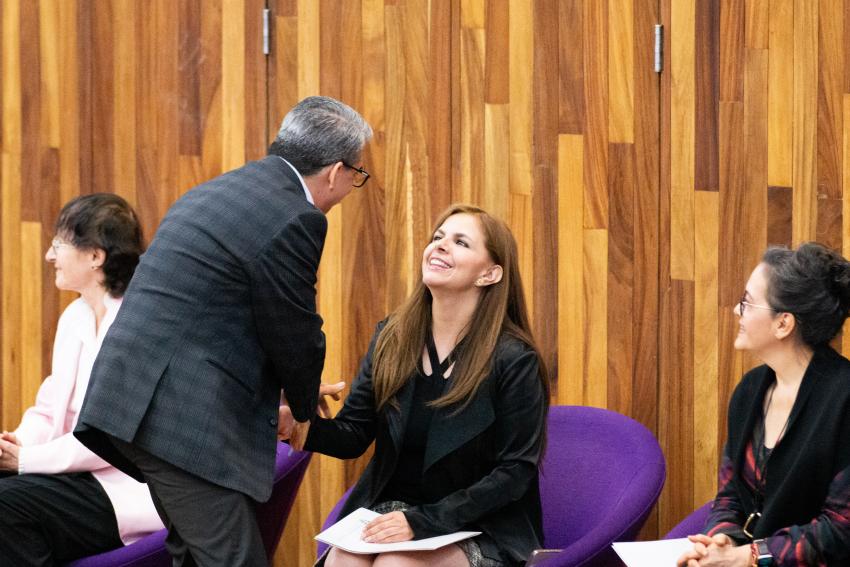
(781, 171)
(640, 202)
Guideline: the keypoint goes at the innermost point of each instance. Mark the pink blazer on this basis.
(47, 443)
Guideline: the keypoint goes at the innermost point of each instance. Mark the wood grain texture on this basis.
(639, 202)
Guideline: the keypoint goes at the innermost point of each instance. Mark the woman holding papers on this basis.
(453, 392)
(784, 495)
(58, 500)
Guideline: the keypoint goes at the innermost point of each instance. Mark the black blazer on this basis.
(814, 449)
(481, 464)
(219, 316)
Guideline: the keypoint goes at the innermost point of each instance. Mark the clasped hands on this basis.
(296, 431)
(715, 551)
(9, 446)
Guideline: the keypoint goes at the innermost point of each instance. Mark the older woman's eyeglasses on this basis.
(361, 176)
(58, 243)
(743, 304)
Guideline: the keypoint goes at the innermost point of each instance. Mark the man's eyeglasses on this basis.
(743, 304)
(361, 176)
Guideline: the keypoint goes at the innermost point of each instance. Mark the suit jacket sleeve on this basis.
(283, 290)
(350, 433)
(521, 406)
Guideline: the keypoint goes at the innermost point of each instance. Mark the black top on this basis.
(406, 482)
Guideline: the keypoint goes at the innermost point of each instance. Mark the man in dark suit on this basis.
(218, 319)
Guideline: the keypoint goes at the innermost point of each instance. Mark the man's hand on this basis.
(388, 528)
(299, 435)
(286, 423)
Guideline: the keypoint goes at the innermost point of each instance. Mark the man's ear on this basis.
(491, 276)
(333, 173)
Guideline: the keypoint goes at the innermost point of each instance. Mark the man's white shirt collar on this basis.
(301, 179)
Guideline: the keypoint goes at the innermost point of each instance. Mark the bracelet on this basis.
(754, 555)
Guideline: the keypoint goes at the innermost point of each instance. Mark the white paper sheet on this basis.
(345, 534)
(662, 553)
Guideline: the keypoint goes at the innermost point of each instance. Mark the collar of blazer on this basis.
(449, 429)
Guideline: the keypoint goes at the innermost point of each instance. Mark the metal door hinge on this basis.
(659, 48)
(266, 14)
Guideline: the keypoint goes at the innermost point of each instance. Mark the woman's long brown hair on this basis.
(501, 309)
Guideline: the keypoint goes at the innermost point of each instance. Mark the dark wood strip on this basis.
(732, 33)
(779, 208)
(31, 140)
(830, 110)
(497, 45)
(442, 92)
(596, 107)
(829, 225)
(571, 66)
(621, 195)
(707, 74)
(545, 160)
(732, 182)
(189, 58)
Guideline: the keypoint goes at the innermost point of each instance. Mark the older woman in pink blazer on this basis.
(58, 500)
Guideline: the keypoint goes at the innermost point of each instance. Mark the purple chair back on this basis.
(601, 476)
(271, 517)
(691, 525)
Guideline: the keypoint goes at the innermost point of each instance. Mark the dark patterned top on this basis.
(793, 546)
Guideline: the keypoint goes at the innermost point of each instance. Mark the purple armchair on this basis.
(600, 478)
(271, 517)
(691, 525)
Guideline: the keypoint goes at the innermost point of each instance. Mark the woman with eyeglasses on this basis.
(454, 395)
(784, 496)
(58, 500)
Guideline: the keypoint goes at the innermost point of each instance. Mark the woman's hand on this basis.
(716, 551)
(10, 437)
(286, 424)
(8, 456)
(388, 528)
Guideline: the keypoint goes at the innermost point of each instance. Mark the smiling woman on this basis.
(59, 500)
(785, 475)
(454, 394)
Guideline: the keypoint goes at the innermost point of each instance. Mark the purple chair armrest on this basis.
(146, 552)
(693, 524)
(593, 549)
(331, 520)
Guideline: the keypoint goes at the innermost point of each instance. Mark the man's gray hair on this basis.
(319, 131)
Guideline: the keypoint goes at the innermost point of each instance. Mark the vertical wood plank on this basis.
(308, 48)
(732, 37)
(571, 302)
(595, 20)
(779, 206)
(123, 140)
(472, 114)
(496, 190)
(682, 141)
(233, 84)
(805, 139)
(707, 94)
(31, 317)
(10, 210)
(596, 317)
(545, 204)
(830, 67)
(621, 277)
(754, 202)
(571, 66)
(496, 73)
(780, 92)
(621, 37)
(705, 357)
(521, 67)
(756, 20)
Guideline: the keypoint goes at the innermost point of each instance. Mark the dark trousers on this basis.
(208, 525)
(50, 519)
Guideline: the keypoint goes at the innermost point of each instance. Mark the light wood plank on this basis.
(621, 71)
(780, 93)
(124, 106)
(496, 188)
(473, 14)
(48, 24)
(472, 115)
(845, 335)
(233, 84)
(571, 302)
(32, 261)
(682, 105)
(804, 117)
(757, 23)
(308, 48)
(596, 317)
(705, 358)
